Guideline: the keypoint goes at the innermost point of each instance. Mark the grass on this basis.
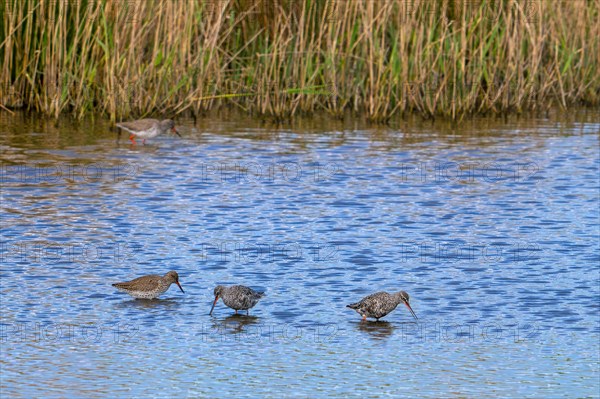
(280, 58)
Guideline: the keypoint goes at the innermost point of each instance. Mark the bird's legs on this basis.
(364, 317)
(235, 311)
(132, 138)
(247, 314)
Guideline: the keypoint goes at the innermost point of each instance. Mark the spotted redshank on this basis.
(147, 128)
(149, 287)
(237, 297)
(380, 304)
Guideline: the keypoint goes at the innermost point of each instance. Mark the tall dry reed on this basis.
(133, 58)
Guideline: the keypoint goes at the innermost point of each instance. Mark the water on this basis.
(492, 228)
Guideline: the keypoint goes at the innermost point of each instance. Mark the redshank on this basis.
(237, 297)
(147, 128)
(380, 304)
(149, 287)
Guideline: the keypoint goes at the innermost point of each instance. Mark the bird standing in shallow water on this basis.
(237, 297)
(147, 128)
(380, 304)
(149, 287)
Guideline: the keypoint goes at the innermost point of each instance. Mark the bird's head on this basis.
(173, 277)
(168, 124)
(405, 298)
(218, 291)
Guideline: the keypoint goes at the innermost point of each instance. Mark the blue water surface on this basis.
(492, 228)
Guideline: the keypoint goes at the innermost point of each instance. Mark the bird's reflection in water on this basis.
(169, 304)
(376, 329)
(242, 326)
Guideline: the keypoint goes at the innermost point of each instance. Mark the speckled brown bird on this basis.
(149, 287)
(380, 304)
(237, 297)
(147, 128)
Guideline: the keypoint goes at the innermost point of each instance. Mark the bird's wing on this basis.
(144, 282)
(246, 292)
(361, 303)
(242, 290)
(371, 301)
(139, 125)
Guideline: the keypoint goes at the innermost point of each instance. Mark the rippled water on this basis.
(493, 228)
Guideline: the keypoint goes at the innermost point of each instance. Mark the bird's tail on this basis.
(352, 306)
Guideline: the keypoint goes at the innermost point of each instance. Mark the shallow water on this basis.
(491, 227)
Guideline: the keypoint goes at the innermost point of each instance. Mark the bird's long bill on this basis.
(411, 311)
(176, 132)
(179, 285)
(213, 306)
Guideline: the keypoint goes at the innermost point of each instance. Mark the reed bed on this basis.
(280, 58)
